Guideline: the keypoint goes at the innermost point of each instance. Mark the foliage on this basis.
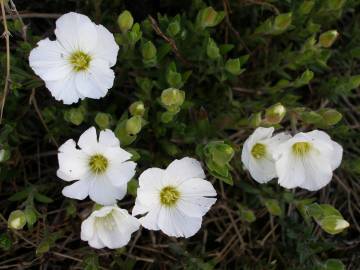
(193, 78)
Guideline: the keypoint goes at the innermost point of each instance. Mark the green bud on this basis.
(125, 21)
(148, 51)
(172, 97)
(74, 116)
(328, 38)
(174, 78)
(273, 207)
(133, 125)
(209, 17)
(17, 220)
(282, 22)
(212, 50)
(306, 7)
(173, 28)
(103, 120)
(335, 4)
(255, 120)
(333, 224)
(137, 108)
(275, 114)
(233, 66)
(220, 152)
(30, 216)
(167, 117)
(246, 214)
(4, 155)
(135, 34)
(330, 116)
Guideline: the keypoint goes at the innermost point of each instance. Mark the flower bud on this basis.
(133, 125)
(148, 51)
(74, 116)
(255, 120)
(282, 21)
(125, 21)
(103, 120)
(17, 220)
(306, 6)
(208, 17)
(233, 66)
(212, 50)
(275, 114)
(328, 38)
(4, 154)
(167, 117)
(221, 153)
(173, 28)
(137, 108)
(172, 97)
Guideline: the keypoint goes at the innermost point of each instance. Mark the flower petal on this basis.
(139, 208)
(72, 162)
(121, 174)
(86, 85)
(290, 171)
(107, 48)
(87, 228)
(183, 169)
(119, 234)
(88, 141)
(262, 170)
(197, 187)
(151, 179)
(103, 192)
(195, 206)
(76, 32)
(48, 60)
(64, 89)
(79, 190)
(318, 172)
(151, 219)
(174, 223)
(108, 138)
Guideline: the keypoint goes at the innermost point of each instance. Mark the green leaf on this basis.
(333, 264)
(42, 198)
(5, 242)
(18, 196)
(273, 207)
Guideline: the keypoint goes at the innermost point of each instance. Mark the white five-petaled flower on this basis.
(101, 166)
(307, 160)
(109, 227)
(78, 63)
(257, 153)
(175, 199)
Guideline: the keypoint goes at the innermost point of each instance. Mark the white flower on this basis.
(257, 153)
(307, 160)
(102, 167)
(78, 63)
(109, 227)
(175, 199)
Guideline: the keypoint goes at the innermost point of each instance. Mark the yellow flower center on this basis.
(80, 61)
(258, 151)
(169, 196)
(301, 148)
(98, 163)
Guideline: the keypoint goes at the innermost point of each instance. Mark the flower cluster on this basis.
(306, 160)
(77, 65)
(174, 200)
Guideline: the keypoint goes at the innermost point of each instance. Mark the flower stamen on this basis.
(98, 163)
(258, 151)
(169, 196)
(80, 61)
(301, 148)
